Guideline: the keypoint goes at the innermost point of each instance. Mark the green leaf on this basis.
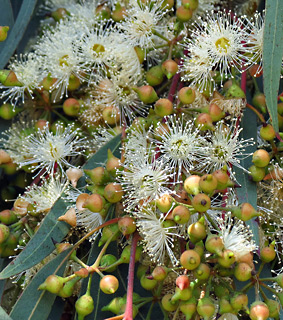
(247, 192)
(16, 33)
(34, 304)
(41, 244)
(3, 315)
(272, 55)
(6, 18)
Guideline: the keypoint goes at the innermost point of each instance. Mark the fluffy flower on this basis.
(234, 107)
(27, 68)
(43, 196)
(89, 221)
(145, 179)
(157, 238)
(43, 149)
(224, 147)
(179, 144)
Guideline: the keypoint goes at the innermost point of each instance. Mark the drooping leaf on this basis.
(41, 244)
(272, 55)
(34, 304)
(3, 315)
(247, 192)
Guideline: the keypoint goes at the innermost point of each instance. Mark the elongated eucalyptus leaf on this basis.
(272, 55)
(41, 244)
(16, 33)
(3, 315)
(247, 192)
(6, 18)
(34, 304)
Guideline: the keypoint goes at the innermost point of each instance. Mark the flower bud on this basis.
(115, 305)
(81, 199)
(205, 308)
(259, 311)
(164, 203)
(107, 260)
(154, 76)
(119, 13)
(20, 206)
(71, 107)
(8, 217)
(148, 284)
(202, 272)
(261, 158)
(159, 273)
(181, 214)
(169, 68)
(53, 284)
(191, 185)
(74, 83)
(59, 14)
(4, 157)
(239, 301)
(74, 174)
(109, 284)
(84, 306)
(214, 244)
(190, 259)
(184, 14)
(267, 132)
(222, 178)
(68, 288)
(179, 294)
(192, 4)
(163, 107)
(94, 203)
(82, 273)
(187, 95)
(112, 164)
(167, 4)
(69, 217)
(208, 183)
(108, 232)
(111, 115)
(98, 175)
(227, 258)
(188, 307)
(243, 271)
(113, 192)
(268, 254)
(245, 212)
(204, 122)
(167, 303)
(201, 202)
(146, 94)
(259, 102)
(183, 282)
(235, 92)
(273, 307)
(9, 79)
(7, 111)
(127, 225)
(225, 306)
(48, 83)
(197, 230)
(256, 173)
(4, 233)
(3, 33)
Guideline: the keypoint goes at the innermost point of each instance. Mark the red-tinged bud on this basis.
(199, 248)
(115, 305)
(280, 108)
(160, 273)
(243, 272)
(4, 233)
(201, 202)
(189, 307)
(190, 4)
(126, 253)
(214, 244)
(108, 232)
(20, 206)
(256, 71)
(59, 14)
(227, 258)
(190, 259)
(148, 284)
(245, 212)
(68, 288)
(108, 260)
(208, 183)
(259, 311)
(167, 303)
(235, 92)
(215, 112)
(41, 124)
(119, 13)
(4, 157)
(239, 301)
(197, 230)
(267, 132)
(164, 203)
(9, 79)
(204, 122)
(111, 115)
(146, 94)
(273, 307)
(109, 284)
(206, 308)
(222, 178)
(191, 185)
(167, 4)
(181, 214)
(81, 199)
(183, 282)
(74, 83)
(225, 306)
(94, 203)
(163, 107)
(169, 68)
(257, 173)
(60, 247)
(8, 217)
(84, 306)
(69, 217)
(127, 225)
(154, 76)
(247, 258)
(112, 164)
(9, 168)
(140, 54)
(3, 33)
(184, 14)
(71, 107)
(113, 192)
(187, 95)
(259, 102)
(183, 295)
(202, 272)
(53, 284)
(74, 174)
(268, 254)
(103, 12)
(8, 112)
(98, 175)
(48, 83)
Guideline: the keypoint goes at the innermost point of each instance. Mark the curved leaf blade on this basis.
(34, 304)
(272, 55)
(41, 244)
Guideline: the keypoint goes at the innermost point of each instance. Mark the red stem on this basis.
(244, 81)
(128, 315)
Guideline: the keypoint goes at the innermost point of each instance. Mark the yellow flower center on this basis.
(222, 44)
